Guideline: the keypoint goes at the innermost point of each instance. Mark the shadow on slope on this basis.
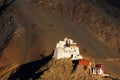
(27, 71)
(5, 4)
(7, 25)
(115, 3)
(7, 29)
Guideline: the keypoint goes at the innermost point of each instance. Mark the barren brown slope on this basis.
(42, 29)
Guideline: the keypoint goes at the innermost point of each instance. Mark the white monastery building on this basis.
(67, 49)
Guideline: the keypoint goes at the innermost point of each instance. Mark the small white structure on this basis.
(67, 49)
(98, 70)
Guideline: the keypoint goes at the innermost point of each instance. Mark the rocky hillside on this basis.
(53, 69)
(7, 26)
(85, 12)
(29, 30)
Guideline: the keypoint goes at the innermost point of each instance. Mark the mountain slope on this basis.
(38, 30)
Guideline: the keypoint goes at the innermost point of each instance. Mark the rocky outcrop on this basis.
(7, 24)
(7, 29)
(7, 70)
(51, 69)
